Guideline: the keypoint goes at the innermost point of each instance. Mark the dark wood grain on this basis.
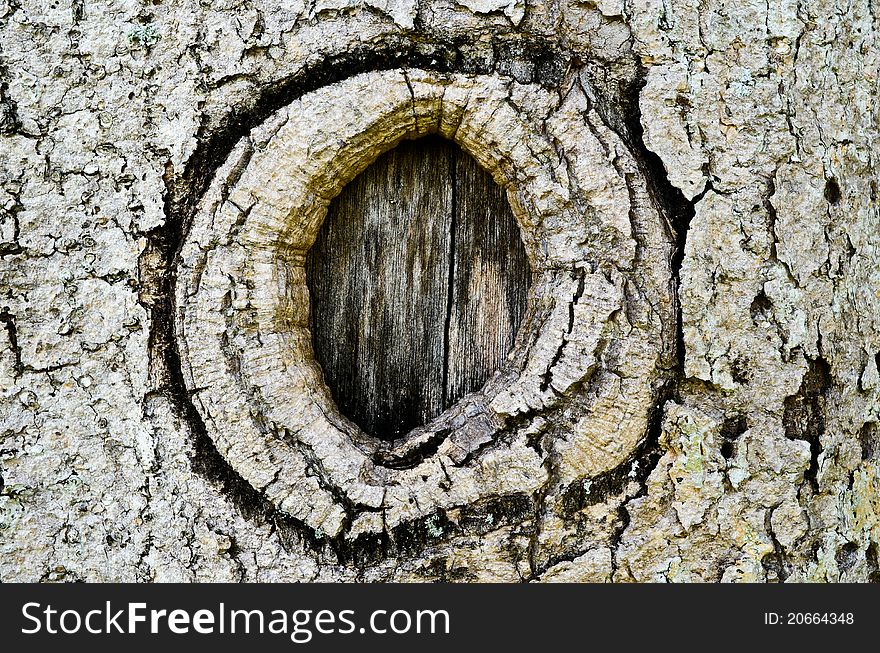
(418, 283)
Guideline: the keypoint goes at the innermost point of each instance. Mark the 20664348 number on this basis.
(808, 618)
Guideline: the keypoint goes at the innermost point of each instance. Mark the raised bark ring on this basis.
(588, 356)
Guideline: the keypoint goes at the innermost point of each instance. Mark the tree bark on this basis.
(693, 393)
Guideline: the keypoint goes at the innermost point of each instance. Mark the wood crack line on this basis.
(450, 282)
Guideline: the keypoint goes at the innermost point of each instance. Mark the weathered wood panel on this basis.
(418, 285)
(489, 283)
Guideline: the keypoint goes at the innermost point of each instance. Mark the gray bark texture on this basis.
(692, 391)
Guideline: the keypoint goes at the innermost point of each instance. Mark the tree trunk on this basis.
(641, 306)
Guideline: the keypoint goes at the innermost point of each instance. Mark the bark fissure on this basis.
(8, 321)
(804, 413)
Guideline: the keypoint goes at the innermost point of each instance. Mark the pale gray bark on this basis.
(694, 393)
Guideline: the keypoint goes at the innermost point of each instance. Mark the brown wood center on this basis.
(418, 282)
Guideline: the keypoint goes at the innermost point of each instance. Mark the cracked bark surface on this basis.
(726, 156)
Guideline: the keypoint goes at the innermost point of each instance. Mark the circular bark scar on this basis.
(572, 399)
